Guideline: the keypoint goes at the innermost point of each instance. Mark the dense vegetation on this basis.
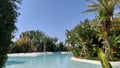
(99, 37)
(36, 41)
(8, 18)
(85, 37)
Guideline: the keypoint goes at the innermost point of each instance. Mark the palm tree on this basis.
(24, 42)
(45, 39)
(79, 33)
(79, 38)
(105, 11)
(70, 38)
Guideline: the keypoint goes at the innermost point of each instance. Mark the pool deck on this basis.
(32, 54)
(93, 61)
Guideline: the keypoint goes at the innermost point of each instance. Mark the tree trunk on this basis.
(106, 32)
(44, 47)
(105, 63)
(84, 51)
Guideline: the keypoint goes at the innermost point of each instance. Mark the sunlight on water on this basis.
(55, 60)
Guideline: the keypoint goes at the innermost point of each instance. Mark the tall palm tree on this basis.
(105, 12)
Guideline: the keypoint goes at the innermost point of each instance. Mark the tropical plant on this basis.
(114, 41)
(35, 38)
(61, 46)
(35, 41)
(84, 37)
(105, 12)
(8, 18)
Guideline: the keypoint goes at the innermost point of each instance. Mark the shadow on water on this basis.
(14, 62)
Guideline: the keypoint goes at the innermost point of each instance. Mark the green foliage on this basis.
(82, 38)
(115, 42)
(62, 47)
(16, 49)
(117, 54)
(105, 15)
(76, 53)
(8, 18)
(36, 41)
(105, 10)
(86, 39)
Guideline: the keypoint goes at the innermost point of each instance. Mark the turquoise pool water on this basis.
(56, 60)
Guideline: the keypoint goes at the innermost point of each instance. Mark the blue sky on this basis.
(51, 16)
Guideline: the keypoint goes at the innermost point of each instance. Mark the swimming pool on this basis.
(55, 60)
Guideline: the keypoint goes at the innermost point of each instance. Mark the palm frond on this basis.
(103, 2)
(118, 42)
(91, 1)
(89, 10)
(93, 7)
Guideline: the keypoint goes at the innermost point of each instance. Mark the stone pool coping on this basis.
(94, 61)
(32, 54)
(27, 54)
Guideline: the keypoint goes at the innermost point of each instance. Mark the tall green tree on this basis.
(34, 41)
(105, 13)
(35, 38)
(8, 18)
(51, 44)
(82, 38)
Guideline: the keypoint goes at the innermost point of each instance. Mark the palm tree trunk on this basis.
(44, 47)
(68, 47)
(106, 32)
(105, 63)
